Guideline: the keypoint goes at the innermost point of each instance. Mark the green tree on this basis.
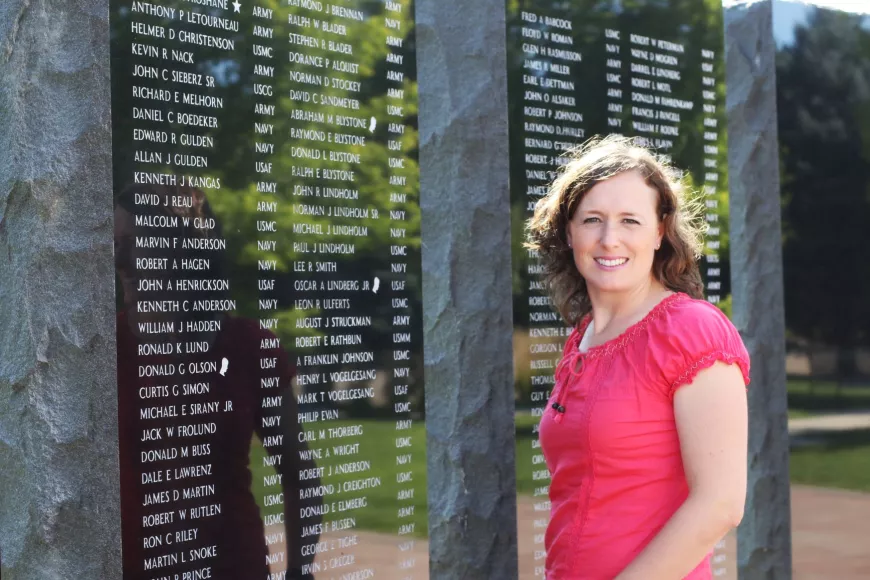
(823, 99)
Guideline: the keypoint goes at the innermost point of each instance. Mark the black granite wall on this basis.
(59, 509)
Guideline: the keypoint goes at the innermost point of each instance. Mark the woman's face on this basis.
(614, 233)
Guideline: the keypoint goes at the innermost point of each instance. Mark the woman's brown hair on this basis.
(675, 264)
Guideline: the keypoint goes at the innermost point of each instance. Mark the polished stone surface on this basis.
(270, 343)
(650, 70)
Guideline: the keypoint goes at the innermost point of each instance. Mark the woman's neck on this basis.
(613, 313)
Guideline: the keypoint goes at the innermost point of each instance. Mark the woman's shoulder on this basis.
(689, 316)
(690, 335)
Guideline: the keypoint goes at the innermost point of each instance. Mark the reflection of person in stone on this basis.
(645, 433)
(204, 416)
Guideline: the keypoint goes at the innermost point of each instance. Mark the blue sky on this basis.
(788, 14)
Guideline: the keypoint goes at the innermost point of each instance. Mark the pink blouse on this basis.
(613, 451)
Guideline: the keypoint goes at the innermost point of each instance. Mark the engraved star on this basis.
(237, 6)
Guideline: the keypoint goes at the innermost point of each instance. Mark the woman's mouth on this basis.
(611, 263)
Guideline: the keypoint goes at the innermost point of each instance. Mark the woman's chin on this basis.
(607, 283)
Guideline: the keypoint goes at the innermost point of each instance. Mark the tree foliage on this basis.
(823, 99)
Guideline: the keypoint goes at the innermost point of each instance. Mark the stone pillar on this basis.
(467, 288)
(59, 496)
(764, 537)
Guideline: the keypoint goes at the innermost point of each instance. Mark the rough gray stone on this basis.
(59, 497)
(764, 537)
(467, 288)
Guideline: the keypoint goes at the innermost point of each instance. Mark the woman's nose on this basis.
(609, 235)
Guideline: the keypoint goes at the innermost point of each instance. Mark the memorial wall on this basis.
(652, 70)
(267, 246)
(267, 249)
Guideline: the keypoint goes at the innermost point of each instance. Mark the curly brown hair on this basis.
(675, 264)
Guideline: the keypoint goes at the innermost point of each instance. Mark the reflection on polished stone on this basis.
(267, 234)
(651, 70)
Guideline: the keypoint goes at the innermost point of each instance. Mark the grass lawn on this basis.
(800, 414)
(378, 446)
(842, 459)
(813, 398)
(839, 460)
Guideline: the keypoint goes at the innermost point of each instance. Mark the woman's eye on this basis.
(595, 220)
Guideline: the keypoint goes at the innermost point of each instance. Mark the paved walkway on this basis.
(830, 534)
(845, 421)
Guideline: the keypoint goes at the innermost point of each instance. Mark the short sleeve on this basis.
(692, 337)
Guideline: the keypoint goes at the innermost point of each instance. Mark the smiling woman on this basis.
(645, 432)
(615, 232)
(653, 196)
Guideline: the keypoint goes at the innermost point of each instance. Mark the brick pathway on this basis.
(831, 534)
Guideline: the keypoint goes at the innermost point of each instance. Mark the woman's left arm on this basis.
(712, 423)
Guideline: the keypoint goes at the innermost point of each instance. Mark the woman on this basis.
(645, 433)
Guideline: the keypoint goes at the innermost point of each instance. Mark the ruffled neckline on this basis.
(629, 334)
